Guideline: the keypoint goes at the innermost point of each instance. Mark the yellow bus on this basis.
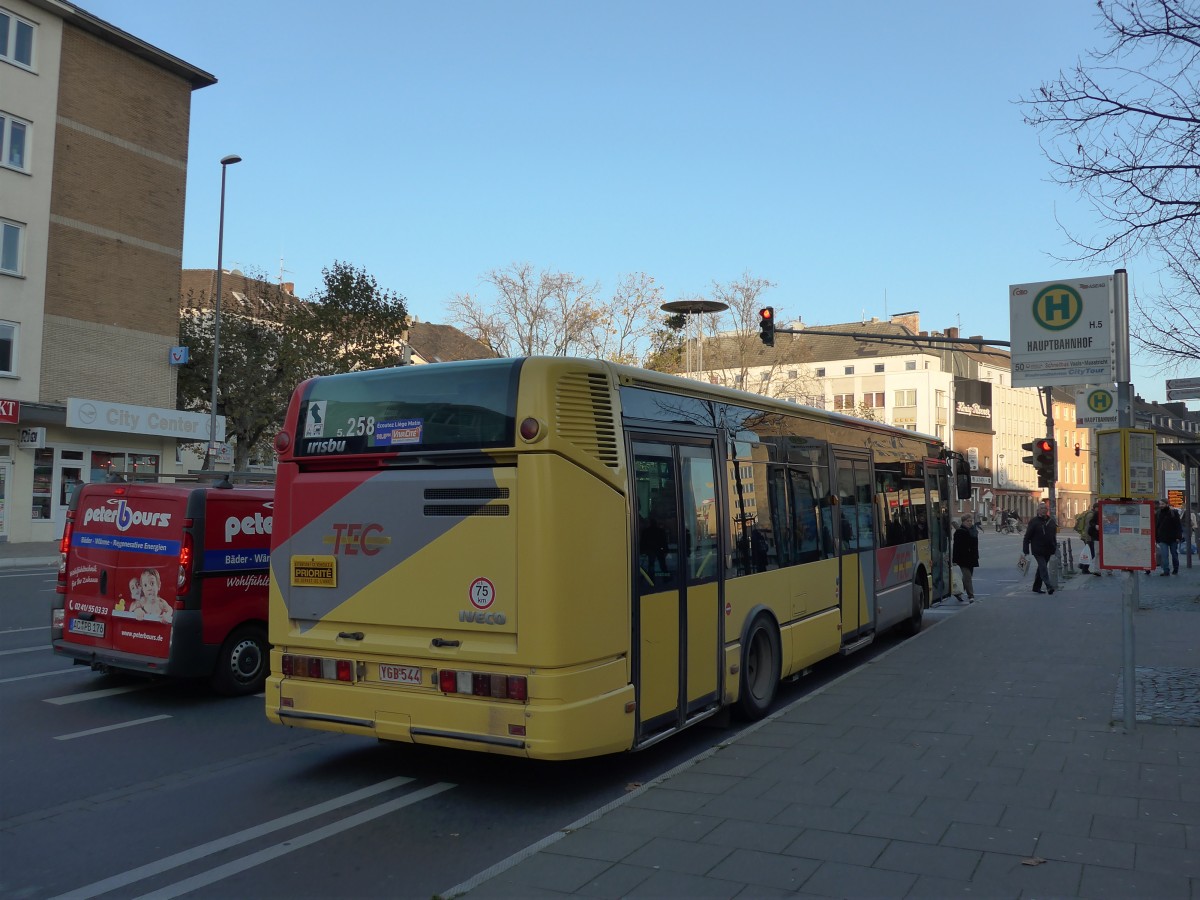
(559, 558)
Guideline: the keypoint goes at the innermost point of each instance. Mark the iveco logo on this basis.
(482, 618)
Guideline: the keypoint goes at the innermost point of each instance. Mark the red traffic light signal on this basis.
(766, 325)
(1043, 456)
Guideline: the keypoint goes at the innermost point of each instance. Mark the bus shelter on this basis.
(1187, 455)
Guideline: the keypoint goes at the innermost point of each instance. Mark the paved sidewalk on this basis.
(984, 758)
(41, 553)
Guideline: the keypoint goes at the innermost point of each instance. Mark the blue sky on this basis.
(867, 157)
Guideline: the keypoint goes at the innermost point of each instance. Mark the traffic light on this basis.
(1043, 457)
(766, 325)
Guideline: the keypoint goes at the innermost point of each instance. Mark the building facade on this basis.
(961, 394)
(93, 171)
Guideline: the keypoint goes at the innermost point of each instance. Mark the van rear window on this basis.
(410, 409)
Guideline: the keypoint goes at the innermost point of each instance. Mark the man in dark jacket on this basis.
(1041, 538)
(1167, 531)
(965, 554)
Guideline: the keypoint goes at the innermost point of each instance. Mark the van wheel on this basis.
(760, 669)
(242, 663)
(911, 626)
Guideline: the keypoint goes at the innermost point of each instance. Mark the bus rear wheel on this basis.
(760, 669)
(242, 663)
(912, 625)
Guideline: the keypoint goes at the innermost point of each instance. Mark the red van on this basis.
(167, 579)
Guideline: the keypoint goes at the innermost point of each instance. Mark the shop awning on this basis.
(1186, 454)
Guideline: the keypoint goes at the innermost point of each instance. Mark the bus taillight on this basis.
(317, 667)
(484, 684)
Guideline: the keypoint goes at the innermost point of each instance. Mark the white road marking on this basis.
(95, 695)
(300, 841)
(25, 650)
(43, 674)
(15, 630)
(117, 727)
(220, 844)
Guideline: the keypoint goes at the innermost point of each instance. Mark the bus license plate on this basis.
(84, 626)
(399, 674)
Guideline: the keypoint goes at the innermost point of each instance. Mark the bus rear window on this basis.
(440, 406)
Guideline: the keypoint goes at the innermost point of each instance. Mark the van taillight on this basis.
(184, 582)
(484, 684)
(64, 547)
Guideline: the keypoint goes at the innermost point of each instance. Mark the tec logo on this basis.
(1100, 401)
(1057, 307)
(353, 538)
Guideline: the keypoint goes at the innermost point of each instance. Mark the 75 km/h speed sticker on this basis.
(483, 593)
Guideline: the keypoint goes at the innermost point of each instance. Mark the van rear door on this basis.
(122, 567)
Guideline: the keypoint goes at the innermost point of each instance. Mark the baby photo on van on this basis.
(146, 602)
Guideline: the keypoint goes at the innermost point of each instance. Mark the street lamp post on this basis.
(210, 459)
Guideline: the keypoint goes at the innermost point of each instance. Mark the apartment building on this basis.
(93, 165)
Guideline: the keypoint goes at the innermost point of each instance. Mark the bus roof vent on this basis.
(584, 409)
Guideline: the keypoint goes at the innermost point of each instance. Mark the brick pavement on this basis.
(985, 758)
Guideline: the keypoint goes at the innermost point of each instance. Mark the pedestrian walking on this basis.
(1041, 539)
(1167, 532)
(965, 553)
(1093, 535)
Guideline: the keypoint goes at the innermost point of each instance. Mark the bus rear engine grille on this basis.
(459, 510)
(584, 411)
(467, 493)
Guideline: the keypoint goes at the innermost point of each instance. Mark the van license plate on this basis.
(400, 674)
(84, 626)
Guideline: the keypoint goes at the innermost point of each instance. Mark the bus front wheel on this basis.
(760, 669)
(242, 663)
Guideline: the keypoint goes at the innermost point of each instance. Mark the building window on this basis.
(820, 373)
(873, 400)
(910, 364)
(793, 374)
(849, 370)
(843, 401)
(8, 348)
(878, 367)
(10, 246)
(16, 39)
(906, 397)
(738, 380)
(14, 138)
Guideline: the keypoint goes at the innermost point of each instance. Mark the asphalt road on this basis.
(114, 785)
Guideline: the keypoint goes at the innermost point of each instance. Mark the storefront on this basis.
(51, 449)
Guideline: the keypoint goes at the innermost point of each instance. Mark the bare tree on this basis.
(1123, 130)
(862, 411)
(627, 323)
(534, 313)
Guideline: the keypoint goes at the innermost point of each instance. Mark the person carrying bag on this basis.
(965, 554)
(1041, 538)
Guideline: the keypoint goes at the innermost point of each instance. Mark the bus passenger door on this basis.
(937, 483)
(855, 527)
(676, 565)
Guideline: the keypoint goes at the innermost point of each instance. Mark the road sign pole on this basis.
(1131, 596)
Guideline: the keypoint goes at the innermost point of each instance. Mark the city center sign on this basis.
(128, 419)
